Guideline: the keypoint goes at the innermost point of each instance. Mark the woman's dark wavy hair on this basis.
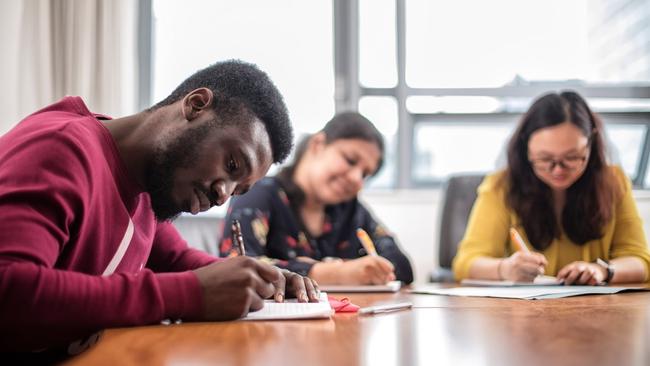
(589, 201)
(345, 125)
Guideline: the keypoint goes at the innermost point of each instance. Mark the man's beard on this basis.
(159, 179)
(159, 185)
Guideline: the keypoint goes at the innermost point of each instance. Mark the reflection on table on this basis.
(598, 330)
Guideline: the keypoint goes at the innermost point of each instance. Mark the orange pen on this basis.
(518, 240)
(365, 240)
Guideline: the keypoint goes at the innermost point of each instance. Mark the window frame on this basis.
(349, 91)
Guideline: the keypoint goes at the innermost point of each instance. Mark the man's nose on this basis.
(223, 189)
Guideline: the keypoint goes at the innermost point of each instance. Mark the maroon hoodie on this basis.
(80, 249)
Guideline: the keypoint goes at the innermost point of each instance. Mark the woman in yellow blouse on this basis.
(558, 192)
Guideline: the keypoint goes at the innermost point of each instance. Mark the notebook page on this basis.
(292, 309)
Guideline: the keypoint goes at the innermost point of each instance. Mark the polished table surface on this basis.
(440, 330)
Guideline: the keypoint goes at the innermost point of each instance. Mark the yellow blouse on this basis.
(490, 219)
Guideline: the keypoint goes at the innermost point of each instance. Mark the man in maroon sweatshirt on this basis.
(86, 201)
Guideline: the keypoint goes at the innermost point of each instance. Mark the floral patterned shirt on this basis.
(273, 231)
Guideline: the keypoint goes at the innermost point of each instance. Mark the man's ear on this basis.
(195, 102)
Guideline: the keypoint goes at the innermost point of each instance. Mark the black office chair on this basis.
(459, 194)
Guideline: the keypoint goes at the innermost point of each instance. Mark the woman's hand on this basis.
(522, 266)
(582, 273)
(367, 270)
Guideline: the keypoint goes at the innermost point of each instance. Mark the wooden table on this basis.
(586, 330)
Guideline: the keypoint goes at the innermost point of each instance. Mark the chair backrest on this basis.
(459, 194)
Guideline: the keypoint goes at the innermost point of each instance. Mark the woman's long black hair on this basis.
(589, 201)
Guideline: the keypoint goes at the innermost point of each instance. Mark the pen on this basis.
(518, 240)
(377, 309)
(237, 237)
(514, 234)
(365, 240)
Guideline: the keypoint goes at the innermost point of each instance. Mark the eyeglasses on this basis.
(567, 163)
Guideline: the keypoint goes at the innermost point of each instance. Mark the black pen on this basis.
(237, 237)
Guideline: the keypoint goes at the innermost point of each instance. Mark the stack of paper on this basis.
(292, 309)
(525, 292)
(538, 281)
(392, 286)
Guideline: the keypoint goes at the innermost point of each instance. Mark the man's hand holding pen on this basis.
(238, 285)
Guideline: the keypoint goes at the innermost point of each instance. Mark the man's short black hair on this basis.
(240, 87)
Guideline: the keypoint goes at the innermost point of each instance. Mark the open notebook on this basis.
(392, 286)
(538, 281)
(292, 309)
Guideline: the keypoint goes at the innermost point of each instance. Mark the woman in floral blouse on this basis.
(305, 218)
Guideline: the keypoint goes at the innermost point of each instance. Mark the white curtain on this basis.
(69, 47)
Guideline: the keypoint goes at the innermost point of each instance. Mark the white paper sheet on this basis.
(538, 281)
(524, 292)
(292, 309)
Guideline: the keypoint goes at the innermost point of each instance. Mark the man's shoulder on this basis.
(64, 139)
(67, 120)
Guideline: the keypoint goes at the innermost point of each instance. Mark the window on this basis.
(469, 43)
(625, 143)
(290, 40)
(425, 71)
(377, 53)
(445, 145)
(477, 44)
(460, 71)
(382, 112)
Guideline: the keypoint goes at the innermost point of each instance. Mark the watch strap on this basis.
(608, 267)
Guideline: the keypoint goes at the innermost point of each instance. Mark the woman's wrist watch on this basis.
(608, 267)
